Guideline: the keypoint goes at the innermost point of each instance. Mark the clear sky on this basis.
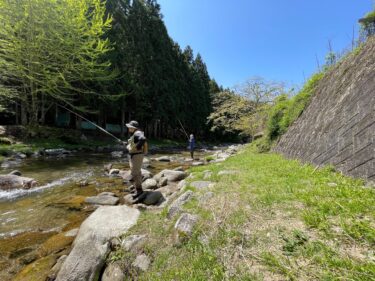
(276, 39)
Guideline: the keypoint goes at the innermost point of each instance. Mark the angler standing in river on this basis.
(137, 147)
(191, 146)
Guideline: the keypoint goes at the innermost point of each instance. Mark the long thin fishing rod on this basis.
(183, 128)
(97, 126)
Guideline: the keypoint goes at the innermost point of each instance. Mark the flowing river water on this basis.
(29, 217)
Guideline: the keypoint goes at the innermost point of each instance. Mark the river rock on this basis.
(117, 154)
(15, 173)
(181, 185)
(163, 181)
(227, 172)
(201, 184)
(108, 167)
(146, 163)
(56, 268)
(113, 272)
(133, 243)
(206, 196)
(185, 225)
(207, 175)
(55, 152)
(102, 199)
(150, 198)
(197, 163)
(8, 163)
(222, 156)
(177, 204)
(126, 175)
(149, 184)
(142, 262)
(91, 245)
(114, 172)
(171, 175)
(72, 233)
(163, 159)
(180, 169)
(8, 182)
(20, 155)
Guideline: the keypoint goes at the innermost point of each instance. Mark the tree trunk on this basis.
(23, 113)
(122, 119)
(16, 112)
(43, 111)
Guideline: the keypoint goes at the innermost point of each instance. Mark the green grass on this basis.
(274, 220)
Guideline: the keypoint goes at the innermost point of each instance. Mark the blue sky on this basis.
(275, 39)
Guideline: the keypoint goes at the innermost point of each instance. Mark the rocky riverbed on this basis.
(38, 225)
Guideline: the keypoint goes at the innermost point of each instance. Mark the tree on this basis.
(259, 90)
(228, 109)
(368, 24)
(49, 51)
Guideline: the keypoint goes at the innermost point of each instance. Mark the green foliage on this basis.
(50, 47)
(292, 244)
(228, 108)
(286, 111)
(368, 23)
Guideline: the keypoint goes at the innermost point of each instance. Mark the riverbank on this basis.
(17, 142)
(34, 223)
(262, 218)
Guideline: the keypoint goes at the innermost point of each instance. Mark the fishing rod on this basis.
(97, 126)
(183, 128)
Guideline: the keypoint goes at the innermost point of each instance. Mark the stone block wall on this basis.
(338, 126)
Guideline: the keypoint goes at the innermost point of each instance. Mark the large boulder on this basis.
(171, 175)
(91, 246)
(9, 182)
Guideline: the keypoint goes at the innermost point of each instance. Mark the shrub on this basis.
(286, 111)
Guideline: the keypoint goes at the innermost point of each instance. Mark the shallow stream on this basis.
(29, 217)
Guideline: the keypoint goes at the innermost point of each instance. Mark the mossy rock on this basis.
(72, 203)
(12, 246)
(55, 244)
(37, 270)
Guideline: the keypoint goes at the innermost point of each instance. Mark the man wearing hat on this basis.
(136, 147)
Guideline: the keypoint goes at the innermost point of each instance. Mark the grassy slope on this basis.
(275, 220)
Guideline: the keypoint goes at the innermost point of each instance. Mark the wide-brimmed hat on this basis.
(132, 124)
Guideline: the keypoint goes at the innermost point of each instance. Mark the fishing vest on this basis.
(132, 146)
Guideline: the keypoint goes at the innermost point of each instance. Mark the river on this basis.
(29, 217)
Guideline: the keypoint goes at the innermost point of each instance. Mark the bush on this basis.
(263, 145)
(286, 111)
(368, 24)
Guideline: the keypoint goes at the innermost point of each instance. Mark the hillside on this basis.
(338, 126)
